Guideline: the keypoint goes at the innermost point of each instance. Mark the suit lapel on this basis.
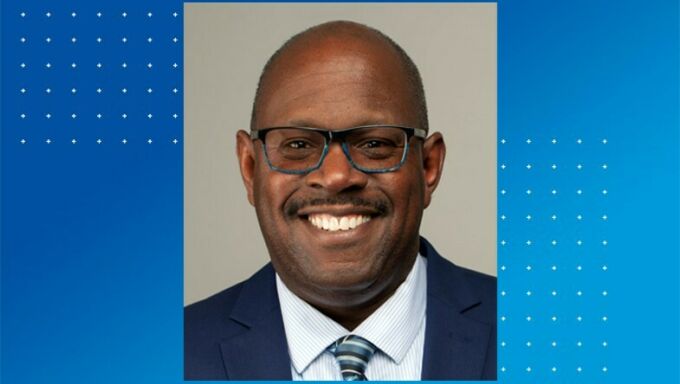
(260, 352)
(455, 345)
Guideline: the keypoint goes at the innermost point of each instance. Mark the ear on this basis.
(245, 151)
(434, 152)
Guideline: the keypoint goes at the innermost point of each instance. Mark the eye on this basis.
(298, 144)
(375, 143)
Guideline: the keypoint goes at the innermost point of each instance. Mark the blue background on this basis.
(92, 233)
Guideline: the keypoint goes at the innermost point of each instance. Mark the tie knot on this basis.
(353, 353)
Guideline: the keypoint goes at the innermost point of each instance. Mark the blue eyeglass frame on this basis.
(261, 134)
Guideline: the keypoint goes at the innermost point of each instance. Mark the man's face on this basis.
(337, 85)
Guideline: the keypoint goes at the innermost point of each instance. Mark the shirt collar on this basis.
(309, 332)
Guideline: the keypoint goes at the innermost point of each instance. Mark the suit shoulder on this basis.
(215, 307)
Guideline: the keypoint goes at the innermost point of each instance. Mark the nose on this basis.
(336, 174)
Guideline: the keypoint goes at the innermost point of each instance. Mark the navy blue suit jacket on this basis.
(238, 333)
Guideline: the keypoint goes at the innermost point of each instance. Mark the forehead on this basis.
(336, 82)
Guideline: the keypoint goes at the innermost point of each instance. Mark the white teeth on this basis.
(333, 223)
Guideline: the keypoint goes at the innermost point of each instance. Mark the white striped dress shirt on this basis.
(397, 328)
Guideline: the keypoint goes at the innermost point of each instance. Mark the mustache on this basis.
(293, 206)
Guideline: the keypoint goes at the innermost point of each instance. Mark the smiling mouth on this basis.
(332, 223)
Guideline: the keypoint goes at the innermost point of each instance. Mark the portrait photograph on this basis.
(452, 50)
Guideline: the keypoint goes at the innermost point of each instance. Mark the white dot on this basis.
(578, 268)
(149, 65)
(553, 217)
(605, 293)
(502, 191)
(22, 141)
(604, 344)
(579, 293)
(579, 217)
(604, 141)
(73, 39)
(554, 293)
(503, 217)
(553, 318)
(554, 191)
(124, 14)
(528, 141)
(579, 344)
(503, 267)
(48, 14)
(554, 141)
(604, 268)
(554, 369)
(22, 14)
(579, 369)
(503, 344)
(528, 293)
(73, 14)
(554, 268)
(528, 268)
(23, 39)
(604, 242)
(579, 166)
(502, 369)
(579, 242)
(73, 65)
(124, 39)
(528, 242)
(528, 318)
(174, 115)
(604, 369)
(48, 40)
(579, 192)
(174, 40)
(124, 65)
(149, 14)
(528, 343)
(502, 141)
(579, 141)
(73, 141)
(73, 90)
(149, 90)
(48, 65)
(554, 344)
(528, 191)
(605, 166)
(528, 217)
(502, 318)
(604, 217)
(502, 293)
(604, 192)
(99, 14)
(149, 116)
(503, 242)
(174, 14)
(149, 39)
(149, 141)
(99, 90)
(579, 318)
(73, 115)
(605, 318)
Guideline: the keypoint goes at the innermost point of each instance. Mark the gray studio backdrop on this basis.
(225, 48)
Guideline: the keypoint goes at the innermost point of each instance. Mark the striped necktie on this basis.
(352, 353)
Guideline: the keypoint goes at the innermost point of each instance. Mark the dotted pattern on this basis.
(553, 260)
(94, 76)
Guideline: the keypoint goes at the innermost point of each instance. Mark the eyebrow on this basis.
(358, 123)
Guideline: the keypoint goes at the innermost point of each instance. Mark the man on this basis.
(339, 168)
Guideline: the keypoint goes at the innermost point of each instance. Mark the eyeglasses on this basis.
(369, 148)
